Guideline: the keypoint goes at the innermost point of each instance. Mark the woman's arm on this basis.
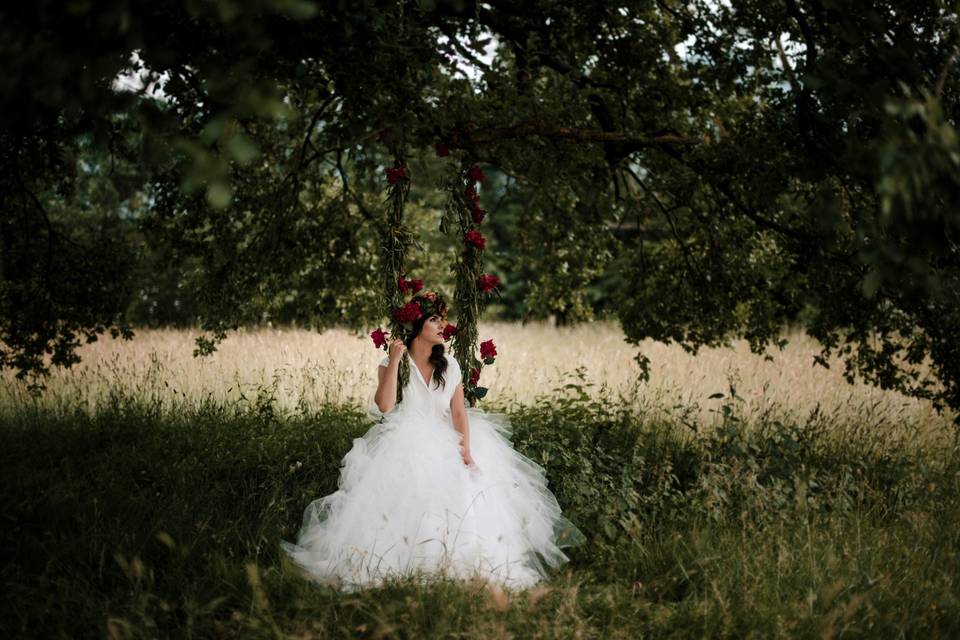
(386, 396)
(458, 413)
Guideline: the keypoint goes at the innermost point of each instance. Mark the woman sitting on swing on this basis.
(435, 488)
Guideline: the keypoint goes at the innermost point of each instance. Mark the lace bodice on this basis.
(433, 400)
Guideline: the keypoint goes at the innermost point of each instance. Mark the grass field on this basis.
(145, 493)
(302, 368)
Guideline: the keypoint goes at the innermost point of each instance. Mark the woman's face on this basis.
(432, 331)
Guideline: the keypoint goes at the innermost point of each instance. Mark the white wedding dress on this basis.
(408, 505)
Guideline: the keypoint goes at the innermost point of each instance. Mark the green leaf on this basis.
(297, 9)
(219, 195)
(489, 360)
(242, 148)
(609, 529)
(871, 283)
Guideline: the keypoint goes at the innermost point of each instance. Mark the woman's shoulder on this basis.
(452, 363)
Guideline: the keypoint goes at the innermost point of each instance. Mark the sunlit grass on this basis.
(302, 368)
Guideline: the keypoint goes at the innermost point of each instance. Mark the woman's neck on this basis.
(420, 351)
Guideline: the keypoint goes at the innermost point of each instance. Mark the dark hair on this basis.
(436, 358)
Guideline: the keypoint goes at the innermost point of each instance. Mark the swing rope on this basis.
(396, 242)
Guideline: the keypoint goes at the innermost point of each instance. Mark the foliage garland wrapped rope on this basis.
(462, 215)
(396, 241)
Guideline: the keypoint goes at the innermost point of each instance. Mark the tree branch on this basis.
(725, 190)
(463, 138)
(313, 124)
(347, 190)
(947, 66)
(462, 50)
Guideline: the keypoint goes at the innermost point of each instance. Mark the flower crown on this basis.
(426, 304)
(422, 305)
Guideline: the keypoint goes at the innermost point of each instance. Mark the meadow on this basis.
(145, 493)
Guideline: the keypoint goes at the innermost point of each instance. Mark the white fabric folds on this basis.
(408, 506)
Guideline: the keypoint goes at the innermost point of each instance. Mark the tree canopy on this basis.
(700, 170)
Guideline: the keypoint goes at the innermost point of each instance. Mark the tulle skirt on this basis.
(408, 506)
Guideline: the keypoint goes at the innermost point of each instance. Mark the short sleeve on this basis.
(455, 374)
(385, 362)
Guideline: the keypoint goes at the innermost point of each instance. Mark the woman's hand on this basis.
(396, 349)
(467, 458)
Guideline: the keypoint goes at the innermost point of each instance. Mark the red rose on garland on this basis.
(379, 337)
(442, 150)
(475, 238)
(449, 331)
(488, 282)
(475, 173)
(476, 213)
(414, 285)
(470, 193)
(474, 376)
(393, 175)
(407, 313)
(487, 349)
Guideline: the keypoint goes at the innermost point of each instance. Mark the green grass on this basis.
(137, 522)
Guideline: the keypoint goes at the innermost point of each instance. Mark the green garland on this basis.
(396, 241)
(460, 221)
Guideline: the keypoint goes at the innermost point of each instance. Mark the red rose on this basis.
(477, 214)
(475, 173)
(449, 331)
(379, 337)
(414, 285)
(487, 349)
(475, 238)
(488, 282)
(393, 175)
(471, 194)
(442, 150)
(474, 376)
(407, 313)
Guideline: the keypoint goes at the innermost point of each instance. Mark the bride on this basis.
(435, 488)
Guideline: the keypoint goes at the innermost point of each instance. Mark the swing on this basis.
(462, 215)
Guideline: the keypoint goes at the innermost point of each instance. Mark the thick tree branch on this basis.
(804, 98)
(464, 138)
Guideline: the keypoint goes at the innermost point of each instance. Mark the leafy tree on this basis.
(793, 160)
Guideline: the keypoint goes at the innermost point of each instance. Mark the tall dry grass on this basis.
(302, 368)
